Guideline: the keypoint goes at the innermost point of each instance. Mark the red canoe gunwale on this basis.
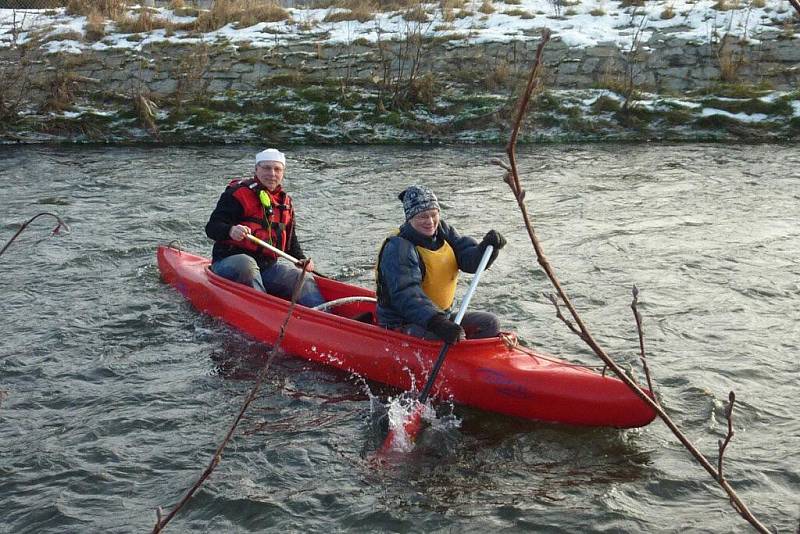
(487, 374)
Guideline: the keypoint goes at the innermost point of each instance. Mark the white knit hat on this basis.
(271, 154)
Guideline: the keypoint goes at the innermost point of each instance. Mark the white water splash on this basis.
(400, 410)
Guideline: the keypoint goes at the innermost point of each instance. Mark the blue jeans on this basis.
(476, 325)
(279, 279)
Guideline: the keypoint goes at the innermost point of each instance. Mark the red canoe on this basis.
(489, 374)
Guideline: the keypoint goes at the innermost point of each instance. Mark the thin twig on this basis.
(729, 435)
(640, 331)
(61, 224)
(512, 178)
(161, 522)
(552, 298)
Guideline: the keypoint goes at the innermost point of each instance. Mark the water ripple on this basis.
(114, 392)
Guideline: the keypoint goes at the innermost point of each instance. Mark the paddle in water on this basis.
(413, 423)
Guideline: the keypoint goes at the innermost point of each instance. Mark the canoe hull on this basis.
(487, 374)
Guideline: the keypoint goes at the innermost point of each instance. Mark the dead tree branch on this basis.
(554, 301)
(513, 180)
(61, 225)
(161, 521)
(729, 435)
(640, 331)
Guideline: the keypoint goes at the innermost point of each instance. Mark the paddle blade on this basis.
(402, 436)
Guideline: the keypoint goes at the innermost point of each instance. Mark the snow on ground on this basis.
(741, 117)
(586, 23)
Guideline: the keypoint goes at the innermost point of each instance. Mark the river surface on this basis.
(114, 392)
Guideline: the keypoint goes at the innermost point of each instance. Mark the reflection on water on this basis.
(114, 392)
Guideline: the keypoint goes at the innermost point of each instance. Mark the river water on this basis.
(114, 392)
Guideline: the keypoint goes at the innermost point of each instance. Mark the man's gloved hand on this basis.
(494, 238)
(447, 330)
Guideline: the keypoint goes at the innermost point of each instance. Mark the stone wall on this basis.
(664, 64)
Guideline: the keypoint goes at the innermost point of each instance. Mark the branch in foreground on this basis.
(161, 521)
(640, 331)
(729, 435)
(554, 301)
(61, 224)
(512, 178)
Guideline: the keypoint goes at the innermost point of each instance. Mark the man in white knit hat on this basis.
(259, 206)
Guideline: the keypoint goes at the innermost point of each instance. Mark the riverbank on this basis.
(435, 75)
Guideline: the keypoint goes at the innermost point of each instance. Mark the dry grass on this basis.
(521, 13)
(452, 4)
(416, 14)
(486, 7)
(499, 77)
(668, 13)
(726, 5)
(146, 111)
(144, 22)
(448, 8)
(424, 89)
(186, 11)
(360, 10)
(62, 36)
(61, 92)
(242, 12)
(343, 16)
(112, 9)
(597, 12)
(95, 26)
(731, 59)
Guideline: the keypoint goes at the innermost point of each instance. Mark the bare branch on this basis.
(61, 225)
(729, 436)
(519, 193)
(638, 317)
(552, 298)
(217, 457)
(500, 163)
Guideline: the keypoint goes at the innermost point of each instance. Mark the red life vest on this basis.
(273, 226)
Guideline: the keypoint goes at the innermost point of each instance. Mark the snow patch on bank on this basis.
(589, 23)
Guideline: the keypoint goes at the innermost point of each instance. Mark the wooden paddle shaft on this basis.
(269, 247)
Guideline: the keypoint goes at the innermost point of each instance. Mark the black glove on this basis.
(494, 238)
(447, 330)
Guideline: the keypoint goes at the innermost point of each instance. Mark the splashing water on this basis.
(405, 416)
(400, 411)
